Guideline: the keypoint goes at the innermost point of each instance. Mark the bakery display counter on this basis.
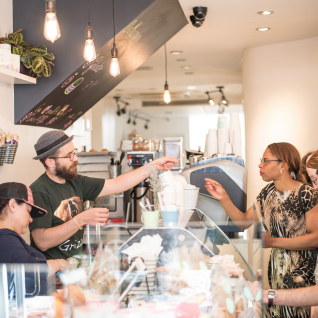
(132, 271)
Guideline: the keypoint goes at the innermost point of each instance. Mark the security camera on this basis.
(196, 23)
(200, 12)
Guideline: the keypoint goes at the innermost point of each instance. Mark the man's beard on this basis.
(66, 173)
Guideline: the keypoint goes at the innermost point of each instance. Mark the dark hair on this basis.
(303, 165)
(313, 161)
(288, 153)
(4, 203)
(53, 154)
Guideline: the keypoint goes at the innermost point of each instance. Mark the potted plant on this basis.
(36, 59)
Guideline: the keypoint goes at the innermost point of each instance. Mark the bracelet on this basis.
(61, 268)
(81, 228)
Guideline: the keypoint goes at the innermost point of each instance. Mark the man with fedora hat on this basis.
(61, 192)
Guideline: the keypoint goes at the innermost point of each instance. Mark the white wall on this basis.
(280, 101)
(104, 126)
(158, 128)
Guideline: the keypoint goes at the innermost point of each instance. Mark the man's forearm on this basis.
(125, 181)
(48, 238)
(300, 297)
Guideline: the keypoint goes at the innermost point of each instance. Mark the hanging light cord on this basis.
(114, 19)
(89, 13)
(166, 61)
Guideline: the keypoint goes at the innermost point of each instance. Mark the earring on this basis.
(281, 172)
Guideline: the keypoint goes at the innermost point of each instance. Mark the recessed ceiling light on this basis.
(176, 52)
(188, 73)
(265, 12)
(191, 87)
(186, 67)
(181, 60)
(263, 29)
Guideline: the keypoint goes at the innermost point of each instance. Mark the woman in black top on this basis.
(16, 212)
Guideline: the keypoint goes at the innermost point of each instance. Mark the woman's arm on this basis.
(55, 265)
(304, 242)
(242, 220)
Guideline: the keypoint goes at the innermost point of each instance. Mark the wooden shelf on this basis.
(11, 77)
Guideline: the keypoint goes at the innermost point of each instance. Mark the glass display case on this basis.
(131, 271)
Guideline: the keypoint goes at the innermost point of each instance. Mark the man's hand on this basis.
(164, 163)
(93, 216)
(268, 241)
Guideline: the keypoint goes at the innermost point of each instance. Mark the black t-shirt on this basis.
(63, 202)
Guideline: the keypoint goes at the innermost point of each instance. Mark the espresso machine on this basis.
(132, 197)
(231, 173)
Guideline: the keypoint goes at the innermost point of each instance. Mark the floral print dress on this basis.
(284, 216)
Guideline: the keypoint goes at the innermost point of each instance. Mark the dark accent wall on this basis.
(75, 86)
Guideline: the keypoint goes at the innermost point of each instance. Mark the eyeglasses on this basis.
(264, 162)
(69, 156)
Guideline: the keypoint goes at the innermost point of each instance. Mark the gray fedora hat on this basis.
(50, 142)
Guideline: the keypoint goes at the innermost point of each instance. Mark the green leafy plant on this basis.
(35, 58)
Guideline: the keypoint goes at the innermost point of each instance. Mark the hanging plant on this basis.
(35, 58)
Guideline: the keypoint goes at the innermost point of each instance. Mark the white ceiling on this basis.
(214, 51)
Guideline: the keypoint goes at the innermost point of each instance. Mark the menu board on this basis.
(82, 89)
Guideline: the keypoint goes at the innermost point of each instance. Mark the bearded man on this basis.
(61, 192)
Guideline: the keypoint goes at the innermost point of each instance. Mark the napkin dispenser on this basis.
(231, 173)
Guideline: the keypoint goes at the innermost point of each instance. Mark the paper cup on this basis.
(166, 177)
(150, 218)
(170, 219)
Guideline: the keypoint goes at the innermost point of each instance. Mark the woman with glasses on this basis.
(312, 169)
(290, 219)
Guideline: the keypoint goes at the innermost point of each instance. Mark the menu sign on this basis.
(92, 80)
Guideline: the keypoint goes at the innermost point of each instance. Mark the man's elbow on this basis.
(39, 241)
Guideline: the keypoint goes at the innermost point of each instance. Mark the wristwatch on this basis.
(271, 294)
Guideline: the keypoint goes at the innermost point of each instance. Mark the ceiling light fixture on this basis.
(265, 12)
(123, 110)
(191, 87)
(176, 52)
(114, 69)
(263, 29)
(223, 101)
(186, 67)
(51, 26)
(129, 119)
(89, 49)
(166, 95)
(198, 17)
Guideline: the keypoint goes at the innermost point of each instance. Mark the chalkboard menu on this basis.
(82, 89)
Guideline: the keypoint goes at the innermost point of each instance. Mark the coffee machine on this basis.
(132, 197)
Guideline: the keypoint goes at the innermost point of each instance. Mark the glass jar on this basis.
(137, 143)
(152, 145)
(146, 145)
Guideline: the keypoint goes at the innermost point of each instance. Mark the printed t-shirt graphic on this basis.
(63, 202)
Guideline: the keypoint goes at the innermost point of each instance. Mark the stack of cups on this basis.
(223, 133)
(237, 146)
(227, 148)
(212, 142)
(179, 200)
(234, 125)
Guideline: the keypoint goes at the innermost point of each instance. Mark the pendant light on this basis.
(51, 26)
(89, 49)
(166, 95)
(114, 69)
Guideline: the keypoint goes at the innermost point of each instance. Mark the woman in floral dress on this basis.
(290, 218)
